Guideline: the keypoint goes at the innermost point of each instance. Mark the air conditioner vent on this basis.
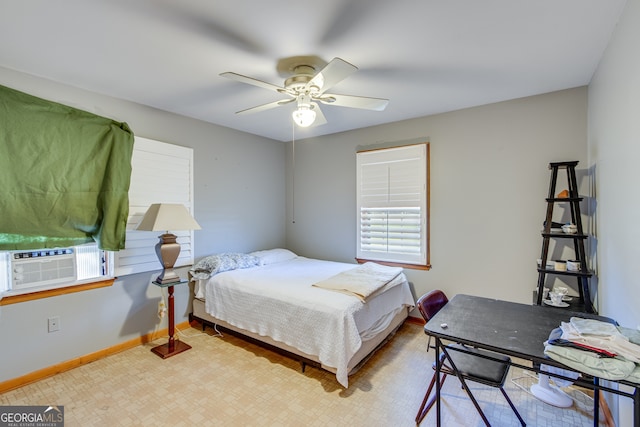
(43, 267)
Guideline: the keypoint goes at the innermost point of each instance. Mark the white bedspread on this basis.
(279, 301)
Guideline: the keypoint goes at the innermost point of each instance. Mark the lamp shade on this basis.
(167, 216)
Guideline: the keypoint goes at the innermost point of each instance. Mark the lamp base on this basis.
(168, 250)
(168, 276)
(164, 351)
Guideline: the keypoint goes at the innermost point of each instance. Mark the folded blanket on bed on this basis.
(362, 281)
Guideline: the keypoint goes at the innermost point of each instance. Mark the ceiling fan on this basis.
(308, 87)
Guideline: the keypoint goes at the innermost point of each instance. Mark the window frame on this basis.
(46, 293)
(384, 155)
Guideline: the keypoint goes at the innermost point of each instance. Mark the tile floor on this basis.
(229, 382)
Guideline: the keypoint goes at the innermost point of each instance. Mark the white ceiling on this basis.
(425, 56)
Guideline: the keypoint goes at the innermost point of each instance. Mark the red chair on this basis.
(470, 362)
(429, 304)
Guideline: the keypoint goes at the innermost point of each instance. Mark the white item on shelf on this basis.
(561, 304)
(555, 297)
(560, 265)
(550, 264)
(563, 290)
(573, 265)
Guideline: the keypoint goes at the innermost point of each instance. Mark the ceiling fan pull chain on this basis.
(293, 172)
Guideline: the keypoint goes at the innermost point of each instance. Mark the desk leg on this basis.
(636, 408)
(596, 402)
(172, 347)
(438, 385)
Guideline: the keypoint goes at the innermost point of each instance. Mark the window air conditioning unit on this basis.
(42, 267)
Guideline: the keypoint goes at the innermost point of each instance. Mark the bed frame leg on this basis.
(303, 365)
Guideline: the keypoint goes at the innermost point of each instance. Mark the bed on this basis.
(298, 305)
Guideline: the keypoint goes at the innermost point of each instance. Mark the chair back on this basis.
(430, 303)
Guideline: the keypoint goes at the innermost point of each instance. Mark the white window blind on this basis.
(161, 173)
(392, 204)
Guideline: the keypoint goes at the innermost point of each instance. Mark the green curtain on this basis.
(64, 175)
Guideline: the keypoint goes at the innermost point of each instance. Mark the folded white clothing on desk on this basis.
(593, 327)
(600, 335)
(634, 376)
(609, 368)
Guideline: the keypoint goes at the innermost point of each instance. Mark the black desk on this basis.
(517, 330)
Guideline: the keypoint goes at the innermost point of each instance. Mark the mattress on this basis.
(357, 360)
(278, 302)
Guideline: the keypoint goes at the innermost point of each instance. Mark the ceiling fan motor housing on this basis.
(298, 84)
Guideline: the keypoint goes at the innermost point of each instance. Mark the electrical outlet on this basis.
(54, 323)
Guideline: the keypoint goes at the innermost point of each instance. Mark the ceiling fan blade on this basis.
(333, 73)
(206, 24)
(267, 106)
(320, 118)
(344, 19)
(364, 102)
(250, 80)
(199, 20)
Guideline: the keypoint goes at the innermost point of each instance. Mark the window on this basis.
(392, 195)
(70, 200)
(160, 173)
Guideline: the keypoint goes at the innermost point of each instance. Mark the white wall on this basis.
(614, 153)
(239, 203)
(489, 181)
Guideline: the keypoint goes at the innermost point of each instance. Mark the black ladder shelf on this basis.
(583, 274)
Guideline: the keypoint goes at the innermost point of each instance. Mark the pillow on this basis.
(271, 256)
(210, 265)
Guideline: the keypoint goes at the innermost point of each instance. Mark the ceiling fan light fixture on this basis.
(304, 116)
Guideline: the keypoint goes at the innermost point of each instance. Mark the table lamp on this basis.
(165, 217)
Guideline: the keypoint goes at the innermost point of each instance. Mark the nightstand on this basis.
(173, 347)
